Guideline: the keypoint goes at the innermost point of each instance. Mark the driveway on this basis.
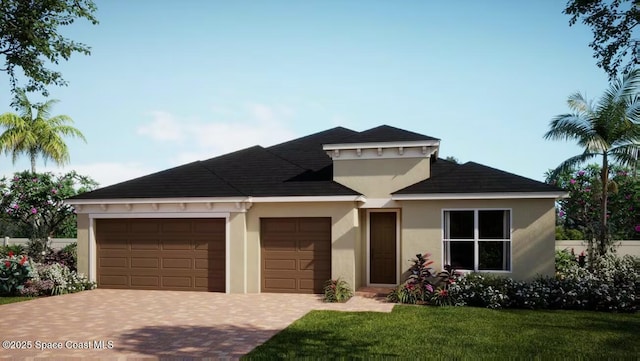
(132, 324)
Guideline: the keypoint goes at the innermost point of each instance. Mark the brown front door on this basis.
(382, 251)
(161, 254)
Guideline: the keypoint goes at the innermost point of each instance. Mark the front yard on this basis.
(416, 332)
(7, 300)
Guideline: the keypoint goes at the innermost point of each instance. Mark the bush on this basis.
(66, 256)
(612, 285)
(337, 291)
(14, 272)
(423, 286)
(16, 249)
(64, 280)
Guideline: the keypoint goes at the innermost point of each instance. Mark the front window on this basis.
(478, 240)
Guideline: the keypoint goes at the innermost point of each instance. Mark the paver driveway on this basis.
(156, 324)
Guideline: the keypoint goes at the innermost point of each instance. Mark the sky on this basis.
(170, 82)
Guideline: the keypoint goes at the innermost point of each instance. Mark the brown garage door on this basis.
(161, 254)
(296, 254)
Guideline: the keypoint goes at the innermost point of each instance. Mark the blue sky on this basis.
(169, 82)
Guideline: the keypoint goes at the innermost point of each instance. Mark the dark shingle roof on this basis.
(296, 168)
(386, 133)
(470, 177)
(302, 168)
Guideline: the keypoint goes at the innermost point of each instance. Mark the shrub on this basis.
(14, 272)
(337, 291)
(419, 286)
(64, 280)
(612, 285)
(16, 249)
(66, 256)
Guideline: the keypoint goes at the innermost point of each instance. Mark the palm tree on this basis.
(36, 136)
(609, 129)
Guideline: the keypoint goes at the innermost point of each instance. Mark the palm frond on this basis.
(572, 163)
(569, 127)
(626, 155)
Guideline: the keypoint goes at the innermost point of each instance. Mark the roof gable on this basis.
(386, 133)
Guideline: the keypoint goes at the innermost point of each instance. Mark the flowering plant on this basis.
(14, 272)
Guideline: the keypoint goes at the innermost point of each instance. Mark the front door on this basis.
(382, 248)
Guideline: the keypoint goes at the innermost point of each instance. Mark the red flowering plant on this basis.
(419, 286)
(15, 271)
(32, 206)
(337, 290)
(441, 296)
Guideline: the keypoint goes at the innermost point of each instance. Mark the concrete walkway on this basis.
(130, 324)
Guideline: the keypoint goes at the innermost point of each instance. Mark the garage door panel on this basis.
(177, 245)
(280, 264)
(180, 263)
(174, 281)
(296, 254)
(113, 261)
(164, 259)
(313, 225)
(144, 227)
(145, 281)
(145, 262)
(145, 244)
(110, 243)
(176, 226)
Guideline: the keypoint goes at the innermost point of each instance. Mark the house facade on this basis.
(339, 203)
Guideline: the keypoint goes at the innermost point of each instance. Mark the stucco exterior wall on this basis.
(236, 230)
(344, 236)
(533, 237)
(378, 178)
(83, 244)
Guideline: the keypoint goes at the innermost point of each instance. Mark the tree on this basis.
(609, 130)
(34, 202)
(36, 136)
(612, 23)
(30, 37)
(580, 211)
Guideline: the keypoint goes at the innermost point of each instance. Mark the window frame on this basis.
(476, 238)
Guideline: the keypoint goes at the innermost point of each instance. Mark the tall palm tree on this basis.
(609, 129)
(41, 135)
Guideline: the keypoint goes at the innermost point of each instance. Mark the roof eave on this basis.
(495, 195)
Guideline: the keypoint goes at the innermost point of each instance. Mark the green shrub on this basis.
(613, 284)
(337, 291)
(63, 279)
(66, 256)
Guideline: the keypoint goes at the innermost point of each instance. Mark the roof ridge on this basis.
(203, 165)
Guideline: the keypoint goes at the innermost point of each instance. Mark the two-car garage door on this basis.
(161, 254)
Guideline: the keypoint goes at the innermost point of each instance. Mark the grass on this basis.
(7, 300)
(417, 332)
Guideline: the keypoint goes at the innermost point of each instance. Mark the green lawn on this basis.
(6, 300)
(418, 332)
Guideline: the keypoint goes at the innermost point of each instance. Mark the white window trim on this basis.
(93, 247)
(476, 240)
(368, 246)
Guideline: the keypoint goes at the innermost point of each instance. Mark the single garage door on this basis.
(161, 254)
(296, 254)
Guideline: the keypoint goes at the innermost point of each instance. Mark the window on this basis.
(478, 240)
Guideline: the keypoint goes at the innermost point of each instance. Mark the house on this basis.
(339, 203)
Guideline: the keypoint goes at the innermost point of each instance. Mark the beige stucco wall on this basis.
(83, 244)
(533, 237)
(237, 242)
(344, 236)
(378, 178)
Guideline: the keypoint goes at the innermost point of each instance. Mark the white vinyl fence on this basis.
(55, 243)
(623, 247)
